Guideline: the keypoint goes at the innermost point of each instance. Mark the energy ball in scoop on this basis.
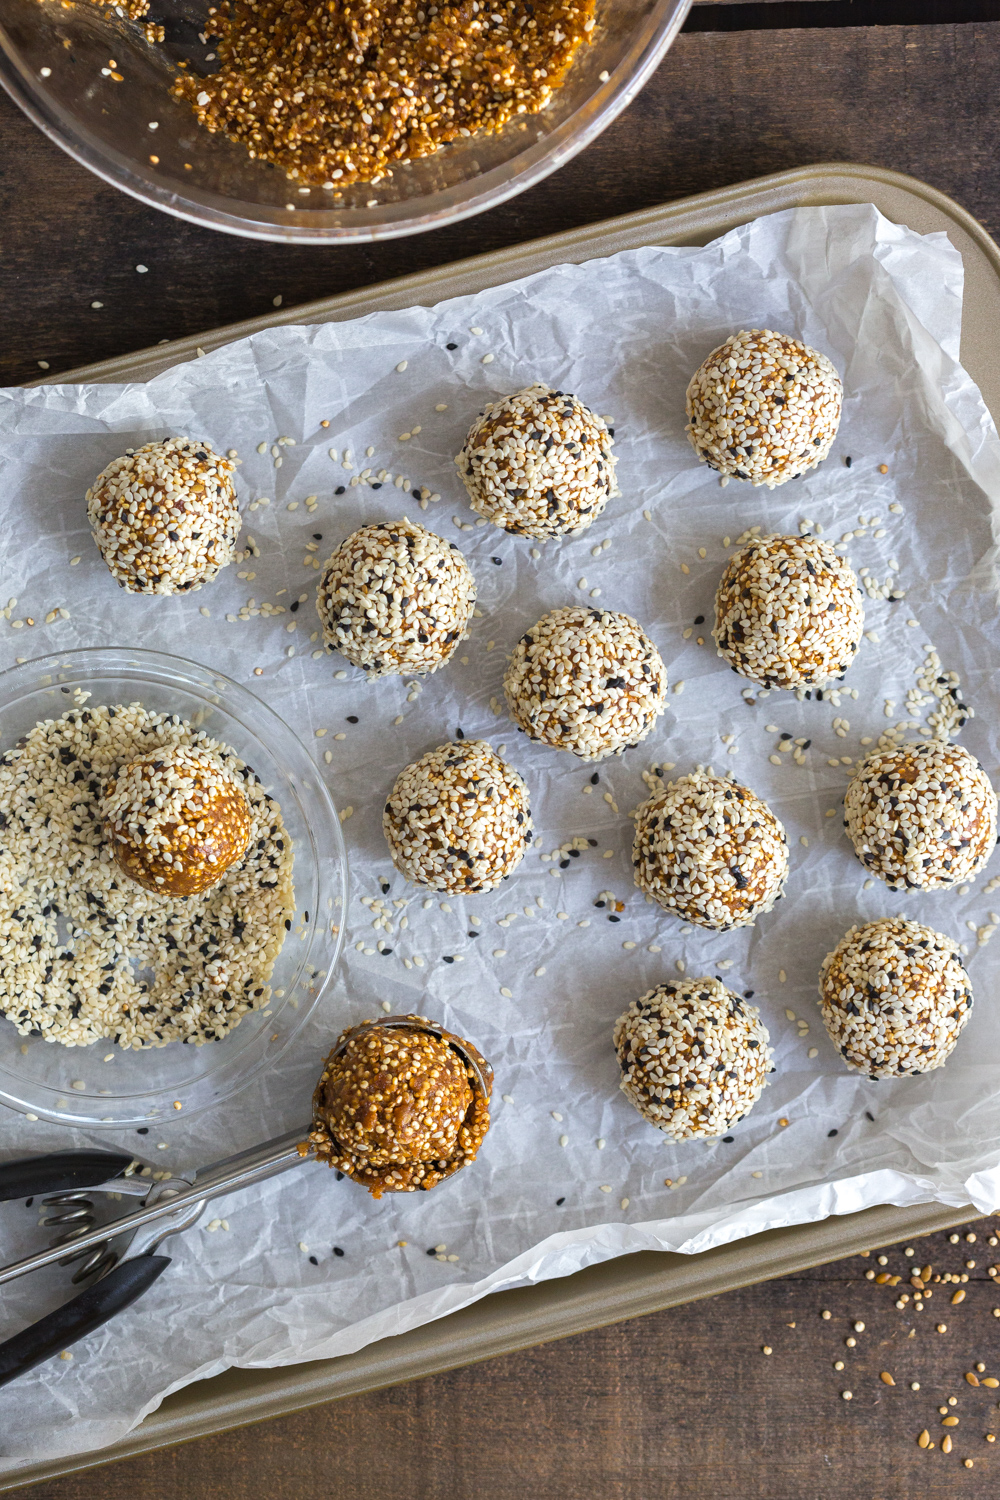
(395, 598)
(176, 819)
(585, 680)
(922, 815)
(164, 516)
(710, 852)
(399, 1107)
(788, 612)
(694, 1058)
(763, 407)
(894, 997)
(538, 463)
(457, 819)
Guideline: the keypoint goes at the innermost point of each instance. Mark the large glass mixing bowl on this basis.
(51, 62)
(74, 1085)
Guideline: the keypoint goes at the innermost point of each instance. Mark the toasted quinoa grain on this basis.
(922, 815)
(395, 598)
(85, 953)
(538, 463)
(340, 94)
(763, 407)
(458, 819)
(585, 680)
(709, 851)
(164, 516)
(788, 612)
(894, 997)
(694, 1058)
(400, 1110)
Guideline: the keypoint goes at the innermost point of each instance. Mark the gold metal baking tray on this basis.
(645, 1282)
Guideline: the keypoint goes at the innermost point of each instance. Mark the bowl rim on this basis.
(86, 662)
(654, 36)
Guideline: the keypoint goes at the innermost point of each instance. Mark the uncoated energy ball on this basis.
(398, 1108)
(710, 851)
(922, 815)
(164, 516)
(694, 1058)
(395, 598)
(894, 997)
(457, 819)
(763, 407)
(176, 819)
(538, 463)
(585, 680)
(788, 612)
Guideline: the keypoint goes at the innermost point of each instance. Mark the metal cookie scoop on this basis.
(119, 1256)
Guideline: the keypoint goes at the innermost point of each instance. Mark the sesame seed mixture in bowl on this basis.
(318, 124)
(161, 1001)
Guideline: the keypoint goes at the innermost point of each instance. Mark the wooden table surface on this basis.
(684, 1404)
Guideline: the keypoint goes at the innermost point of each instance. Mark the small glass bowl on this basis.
(124, 125)
(73, 1085)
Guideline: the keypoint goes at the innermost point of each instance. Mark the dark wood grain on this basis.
(723, 107)
(681, 1405)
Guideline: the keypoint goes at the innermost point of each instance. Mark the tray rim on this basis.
(632, 1285)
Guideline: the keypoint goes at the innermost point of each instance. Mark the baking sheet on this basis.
(833, 274)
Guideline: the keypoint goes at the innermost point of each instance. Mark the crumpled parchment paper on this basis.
(570, 1174)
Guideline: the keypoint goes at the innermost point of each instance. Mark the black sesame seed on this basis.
(337, 1250)
(594, 779)
(447, 346)
(313, 1261)
(352, 718)
(699, 619)
(143, 1130)
(831, 1133)
(560, 1202)
(342, 489)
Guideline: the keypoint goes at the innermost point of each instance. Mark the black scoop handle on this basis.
(59, 1172)
(75, 1319)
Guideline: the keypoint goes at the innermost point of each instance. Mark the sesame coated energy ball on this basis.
(788, 612)
(921, 816)
(694, 1058)
(538, 463)
(710, 852)
(894, 997)
(164, 516)
(176, 819)
(763, 407)
(457, 819)
(585, 680)
(398, 1107)
(395, 598)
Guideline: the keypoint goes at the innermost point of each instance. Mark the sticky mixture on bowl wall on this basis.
(335, 95)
